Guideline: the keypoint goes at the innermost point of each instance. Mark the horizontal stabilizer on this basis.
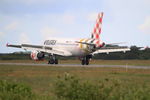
(85, 43)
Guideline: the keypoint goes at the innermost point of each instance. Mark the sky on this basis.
(33, 21)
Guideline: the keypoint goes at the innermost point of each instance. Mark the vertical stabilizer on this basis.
(97, 29)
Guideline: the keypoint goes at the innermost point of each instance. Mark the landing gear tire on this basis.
(85, 61)
(53, 60)
(56, 61)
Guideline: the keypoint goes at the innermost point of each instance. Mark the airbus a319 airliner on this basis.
(83, 48)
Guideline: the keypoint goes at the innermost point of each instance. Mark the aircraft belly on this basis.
(77, 52)
(71, 49)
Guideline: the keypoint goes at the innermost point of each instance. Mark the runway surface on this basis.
(78, 65)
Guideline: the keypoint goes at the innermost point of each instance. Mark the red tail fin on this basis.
(97, 28)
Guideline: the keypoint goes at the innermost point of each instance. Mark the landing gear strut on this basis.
(85, 60)
(53, 60)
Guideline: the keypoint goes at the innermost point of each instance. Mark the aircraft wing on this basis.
(41, 48)
(111, 49)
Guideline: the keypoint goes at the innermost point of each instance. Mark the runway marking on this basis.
(78, 65)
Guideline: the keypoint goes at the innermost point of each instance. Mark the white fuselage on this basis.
(69, 46)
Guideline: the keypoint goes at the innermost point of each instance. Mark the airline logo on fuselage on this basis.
(50, 42)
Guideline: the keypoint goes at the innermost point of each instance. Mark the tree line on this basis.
(134, 53)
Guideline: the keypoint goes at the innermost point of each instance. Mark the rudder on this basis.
(97, 28)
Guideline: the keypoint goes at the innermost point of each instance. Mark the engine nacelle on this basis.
(101, 44)
(35, 55)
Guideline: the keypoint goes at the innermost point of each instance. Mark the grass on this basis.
(100, 62)
(43, 78)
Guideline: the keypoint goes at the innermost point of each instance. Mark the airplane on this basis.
(83, 48)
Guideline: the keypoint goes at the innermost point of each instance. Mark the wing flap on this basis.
(31, 46)
(46, 49)
(109, 50)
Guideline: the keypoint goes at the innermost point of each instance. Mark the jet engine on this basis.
(35, 55)
(101, 44)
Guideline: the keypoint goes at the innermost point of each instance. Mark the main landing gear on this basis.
(85, 60)
(53, 60)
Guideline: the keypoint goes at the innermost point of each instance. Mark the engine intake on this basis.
(35, 55)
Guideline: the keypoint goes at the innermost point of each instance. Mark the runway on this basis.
(78, 65)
